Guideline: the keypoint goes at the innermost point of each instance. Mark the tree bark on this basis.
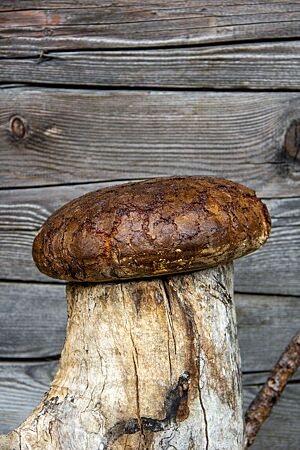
(146, 365)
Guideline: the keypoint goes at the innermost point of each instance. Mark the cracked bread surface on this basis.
(154, 227)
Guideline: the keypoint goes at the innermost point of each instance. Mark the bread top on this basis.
(150, 228)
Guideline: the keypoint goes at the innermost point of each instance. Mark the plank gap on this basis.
(147, 89)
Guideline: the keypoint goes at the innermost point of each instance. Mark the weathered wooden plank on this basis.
(262, 271)
(273, 65)
(33, 321)
(22, 386)
(282, 251)
(34, 26)
(274, 269)
(64, 136)
(266, 324)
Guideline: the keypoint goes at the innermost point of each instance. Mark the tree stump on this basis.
(146, 365)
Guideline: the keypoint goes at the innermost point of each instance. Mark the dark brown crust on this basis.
(158, 226)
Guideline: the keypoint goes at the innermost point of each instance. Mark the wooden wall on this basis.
(94, 93)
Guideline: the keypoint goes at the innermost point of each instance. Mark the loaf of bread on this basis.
(149, 228)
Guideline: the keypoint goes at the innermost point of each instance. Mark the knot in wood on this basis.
(18, 127)
(292, 140)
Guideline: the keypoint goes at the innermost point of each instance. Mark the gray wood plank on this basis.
(266, 324)
(273, 269)
(77, 136)
(33, 322)
(271, 65)
(27, 27)
(22, 386)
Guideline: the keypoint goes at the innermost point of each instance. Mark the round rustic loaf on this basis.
(154, 227)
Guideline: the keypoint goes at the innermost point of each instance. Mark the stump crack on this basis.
(196, 342)
(138, 409)
(169, 312)
(176, 399)
(204, 417)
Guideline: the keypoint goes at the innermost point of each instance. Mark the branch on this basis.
(261, 407)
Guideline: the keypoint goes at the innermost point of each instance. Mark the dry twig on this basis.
(261, 407)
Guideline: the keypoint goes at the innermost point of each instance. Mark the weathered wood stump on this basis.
(146, 364)
(151, 364)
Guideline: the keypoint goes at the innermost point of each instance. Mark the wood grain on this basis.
(273, 269)
(27, 27)
(133, 134)
(266, 324)
(33, 323)
(22, 386)
(271, 65)
(260, 271)
(33, 320)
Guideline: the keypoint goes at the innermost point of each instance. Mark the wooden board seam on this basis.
(147, 89)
